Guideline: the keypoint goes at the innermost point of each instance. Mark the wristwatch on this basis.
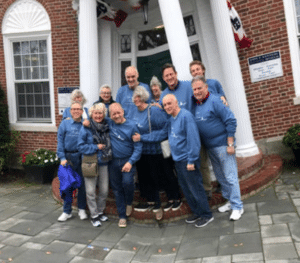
(230, 144)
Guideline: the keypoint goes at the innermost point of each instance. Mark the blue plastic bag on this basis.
(68, 178)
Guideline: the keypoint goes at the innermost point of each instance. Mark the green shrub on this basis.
(292, 137)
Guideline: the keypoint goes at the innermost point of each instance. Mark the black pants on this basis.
(156, 173)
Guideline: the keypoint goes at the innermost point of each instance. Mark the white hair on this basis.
(105, 86)
(155, 81)
(141, 92)
(77, 93)
(98, 106)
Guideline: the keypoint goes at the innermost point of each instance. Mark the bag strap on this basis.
(149, 118)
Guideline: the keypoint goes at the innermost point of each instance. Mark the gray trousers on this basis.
(96, 203)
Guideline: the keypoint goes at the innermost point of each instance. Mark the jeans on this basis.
(192, 188)
(204, 168)
(97, 204)
(122, 184)
(225, 168)
(74, 159)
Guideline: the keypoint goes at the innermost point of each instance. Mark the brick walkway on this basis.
(269, 231)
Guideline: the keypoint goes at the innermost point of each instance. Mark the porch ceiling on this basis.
(126, 5)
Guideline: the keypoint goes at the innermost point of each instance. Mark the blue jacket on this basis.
(183, 92)
(121, 141)
(67, 137)
(86, 144)
(215, 87)
(124, 97)
(215, 122)
(158, 119)
(183, 137)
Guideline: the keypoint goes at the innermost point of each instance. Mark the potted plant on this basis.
(292, 139)
(39, 165)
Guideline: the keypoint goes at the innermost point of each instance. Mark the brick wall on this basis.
(65, 62)
(270, 102)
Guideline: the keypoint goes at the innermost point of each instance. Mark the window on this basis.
(125, 43)
(26, 33)
(31, 81)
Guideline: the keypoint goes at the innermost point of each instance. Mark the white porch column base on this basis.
(236, 96)
(177, 37)
(88, 51)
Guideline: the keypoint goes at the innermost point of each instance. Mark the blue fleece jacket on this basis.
(124, 97)
(158, 119)
(183, 93)
(122, 144)
(86, 144)
(215, 87)
(215, 122)
(183, 137)
(67, 137)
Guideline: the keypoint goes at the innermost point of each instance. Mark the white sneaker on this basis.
(236, 214)
(224, 208)
(64, 217)
(82, 214)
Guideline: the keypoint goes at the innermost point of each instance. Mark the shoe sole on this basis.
(191, 222)
(177, 208)
(232, 219)
(64, 220)
(143, 209)
(210, 220)
(168, 209)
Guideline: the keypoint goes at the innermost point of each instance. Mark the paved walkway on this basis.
(269, 231)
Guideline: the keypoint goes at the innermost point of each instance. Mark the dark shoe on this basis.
(168, 206)
(102, 217)
(192, 219)
(143, 207)
(96, 222)
(204, 221)
(208, 194)
(156, 207)
(176, 205)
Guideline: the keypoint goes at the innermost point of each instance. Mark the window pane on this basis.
(35, 73)
(17, 60)
(26, 61)
(25, 48)
(37, 88)
(47, 112)
(43, 46)
(26, 73)
(46, 99)
(20, 88)
(29, 99)
(34, 48)
(18, 73)
(125, 43)
(43, 60)
(45, 86)
(17, 48)
(34, 60)
(124, 65)
(189, 25)
(39, 112)
(29, 88)
(21, 100)
(22, 112)
(152, 38)
(195, 52)
(44, 72)
(38, 99)
(30, 112)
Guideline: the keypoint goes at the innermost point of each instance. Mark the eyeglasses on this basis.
(106, 93)
(76, 109)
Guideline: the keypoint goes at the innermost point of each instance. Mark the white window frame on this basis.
(292, 29)
(10, 35)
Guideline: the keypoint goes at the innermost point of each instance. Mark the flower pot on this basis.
(297, 155)
(40, 174)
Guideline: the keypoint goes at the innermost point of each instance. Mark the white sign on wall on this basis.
(64, 98)
(266, 66)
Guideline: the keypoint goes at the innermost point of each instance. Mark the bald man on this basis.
(183, 136)
(124, 95)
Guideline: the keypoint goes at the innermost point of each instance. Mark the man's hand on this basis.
(230, 150)
(64, 162)
(126, 168)
(101, 146)
(190, 167)
(224, 100)
(156, 104)
(136, 137)
(86, 123)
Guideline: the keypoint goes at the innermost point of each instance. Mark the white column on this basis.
(88, 50)
(246, 145)
(177, 38)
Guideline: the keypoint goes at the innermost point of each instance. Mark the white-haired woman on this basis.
(155, 86)
(105, 96)
(95, 139)
(154, 172)
(76, 96)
